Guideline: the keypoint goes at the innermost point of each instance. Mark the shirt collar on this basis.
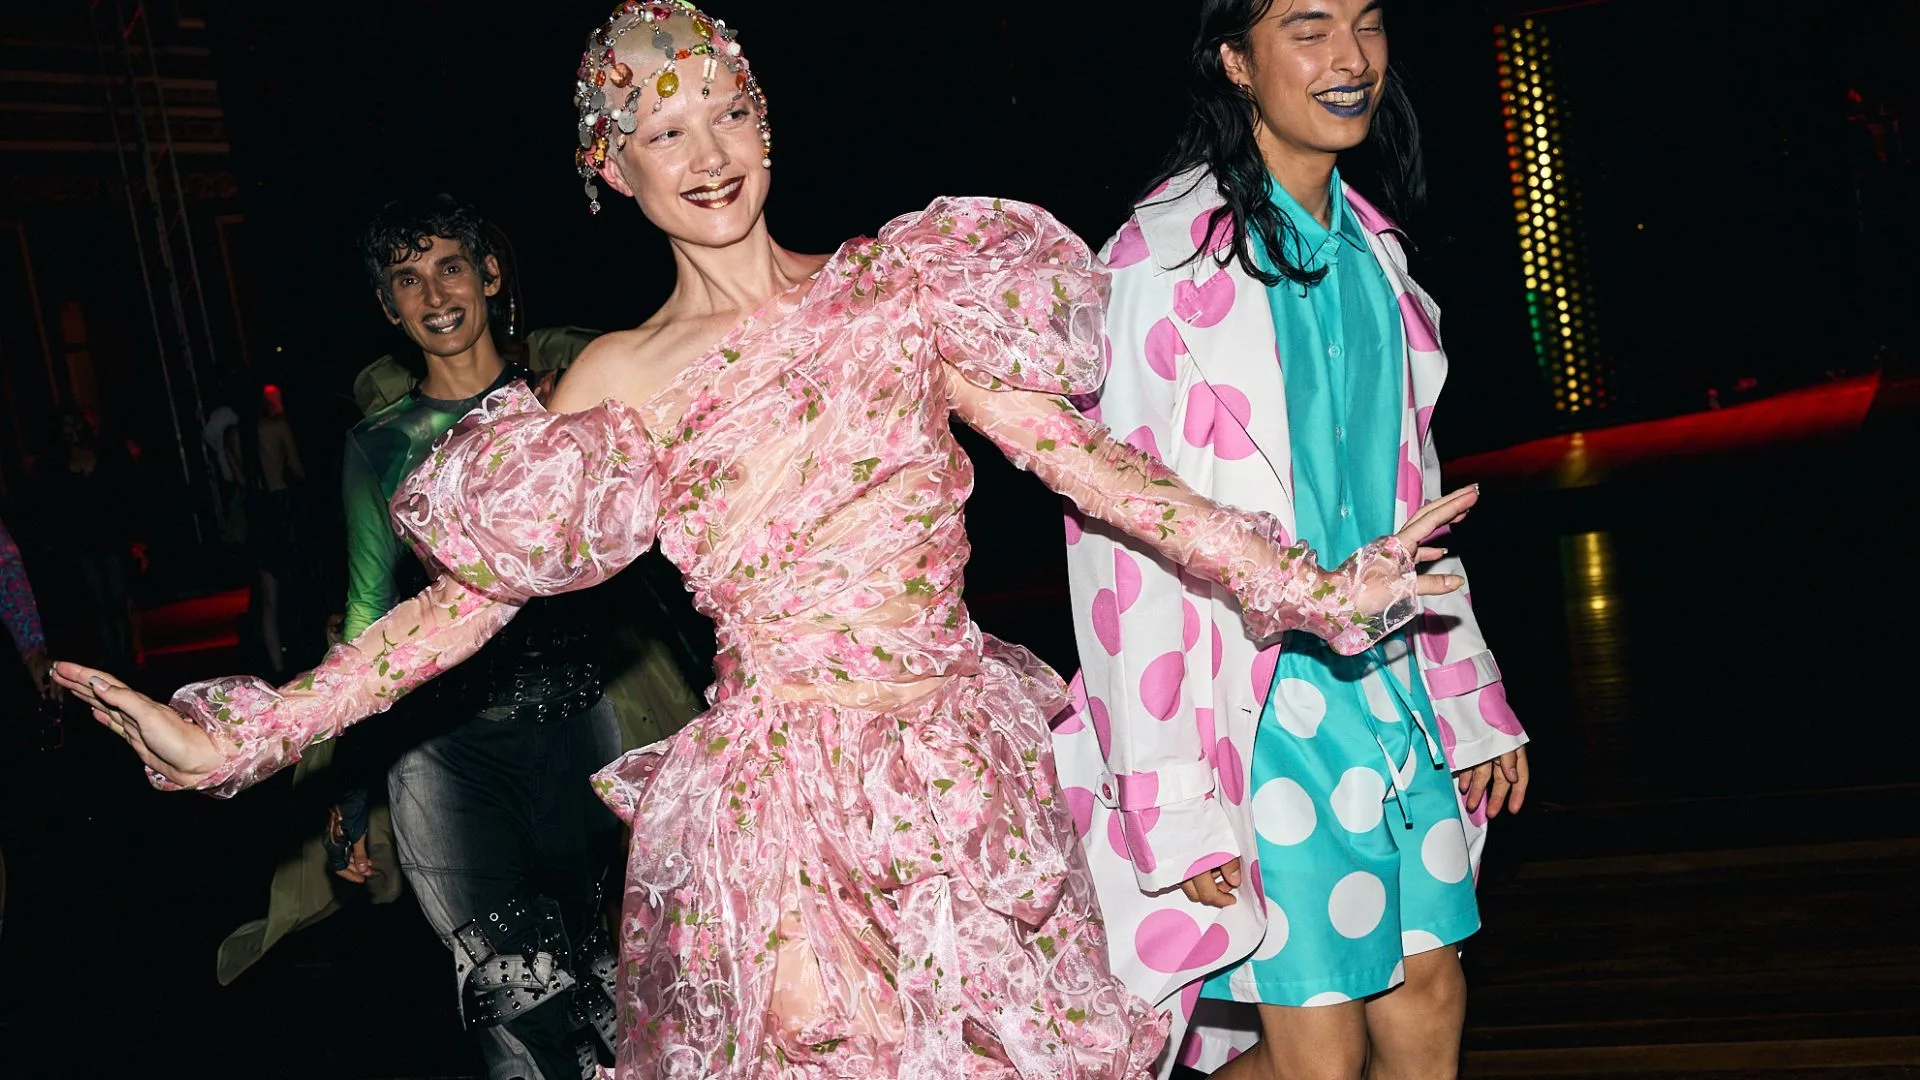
(1317, 245)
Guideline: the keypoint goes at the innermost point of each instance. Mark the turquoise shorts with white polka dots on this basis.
(1362, 859)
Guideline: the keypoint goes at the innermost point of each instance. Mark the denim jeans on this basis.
(490, 810)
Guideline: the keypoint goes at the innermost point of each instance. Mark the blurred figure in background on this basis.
(274, 527)
(82, 473)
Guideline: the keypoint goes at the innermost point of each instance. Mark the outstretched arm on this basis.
(224, 735)
(1279, 587)
(514, 502)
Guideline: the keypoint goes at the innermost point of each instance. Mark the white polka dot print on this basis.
(1415, 942)
(1277, 931)
(1357, 799)
(1444, 851)
(1331, 997)
(1283, 812)
(1299, 706)
(1380, 701)
(1357, 902)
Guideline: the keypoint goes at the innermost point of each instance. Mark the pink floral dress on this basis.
(857, 862)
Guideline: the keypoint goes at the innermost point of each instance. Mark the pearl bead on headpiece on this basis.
(607, 116)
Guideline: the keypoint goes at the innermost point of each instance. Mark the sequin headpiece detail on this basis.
(608, 90)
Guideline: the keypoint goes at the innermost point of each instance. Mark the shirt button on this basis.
(1333, 351)
(1346, 511)
(1339, 434)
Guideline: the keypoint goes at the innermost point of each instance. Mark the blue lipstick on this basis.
(1347, 111)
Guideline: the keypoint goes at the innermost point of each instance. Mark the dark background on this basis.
(1747, 217)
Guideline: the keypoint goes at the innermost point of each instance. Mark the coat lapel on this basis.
(1225, 321)
(1425, 370)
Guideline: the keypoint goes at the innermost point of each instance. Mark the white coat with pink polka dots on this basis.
(1171, 688)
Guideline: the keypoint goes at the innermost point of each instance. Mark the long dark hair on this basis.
(1219, 134)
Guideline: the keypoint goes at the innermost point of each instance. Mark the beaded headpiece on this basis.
(608, 90)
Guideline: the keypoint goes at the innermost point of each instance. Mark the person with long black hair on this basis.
(1271, 822)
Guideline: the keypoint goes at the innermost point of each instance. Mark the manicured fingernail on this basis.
(97, 683)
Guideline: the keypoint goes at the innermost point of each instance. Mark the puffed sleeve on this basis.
(514, 502)
(517, 502)
(1008, 296)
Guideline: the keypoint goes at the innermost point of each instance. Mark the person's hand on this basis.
(40, 670)
(359, 867)
(544, 385)
(336, 629)
(1214, 888)
(1433, 517)
(1502, 782)
(167, 742)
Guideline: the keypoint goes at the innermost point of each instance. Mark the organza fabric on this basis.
(857, 862)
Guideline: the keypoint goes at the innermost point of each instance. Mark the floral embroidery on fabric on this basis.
(856, 863)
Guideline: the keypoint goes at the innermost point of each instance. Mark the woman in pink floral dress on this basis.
(856, 863)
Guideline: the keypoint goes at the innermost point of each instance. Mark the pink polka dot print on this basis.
(1126, 578)
(1080, 804)
(1217, 417)
(1105, 615)
(1263, 665)
(1102, 726)
(1160, 685)
(1205, 304)
(1231, 770)
(1136, 826)
(1129, 247)
(1141, 439)
(1433, 637)
(1169, 940)
(1421, 336)
(1495, 711)
(1164, 348)
(1209, 236)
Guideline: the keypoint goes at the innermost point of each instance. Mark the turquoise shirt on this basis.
(1342, 359)
(1341, 356)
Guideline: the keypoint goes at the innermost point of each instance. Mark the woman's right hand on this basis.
(1436, 515)
(167, 742)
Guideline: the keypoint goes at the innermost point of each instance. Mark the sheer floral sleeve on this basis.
(514, 502)
(1013, 304)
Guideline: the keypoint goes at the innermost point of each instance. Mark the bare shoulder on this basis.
(611, 366)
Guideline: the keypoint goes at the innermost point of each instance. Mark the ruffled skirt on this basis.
(820, 892)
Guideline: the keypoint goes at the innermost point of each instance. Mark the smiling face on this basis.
(694, 166)
(1317, 70)
(686, 140)
(439, 297)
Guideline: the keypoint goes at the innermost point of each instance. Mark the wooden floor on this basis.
(1723, 876)
(1717, 878)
